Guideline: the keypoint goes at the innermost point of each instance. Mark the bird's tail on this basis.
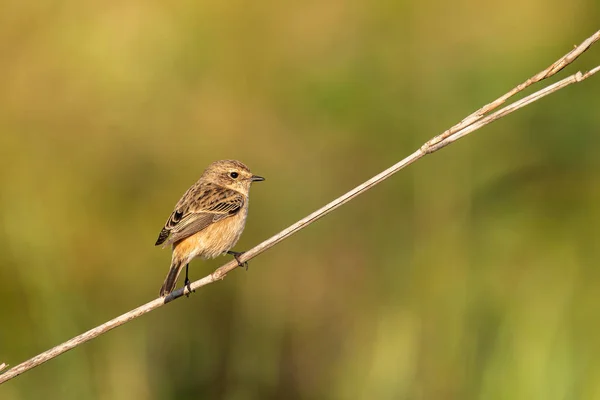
(171, 279)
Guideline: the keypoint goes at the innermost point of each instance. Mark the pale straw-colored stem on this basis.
(471, 123)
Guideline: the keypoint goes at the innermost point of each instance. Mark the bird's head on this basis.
(231, 174)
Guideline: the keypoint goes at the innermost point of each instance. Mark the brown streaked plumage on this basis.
(209, 218)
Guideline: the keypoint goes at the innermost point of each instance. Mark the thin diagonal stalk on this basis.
(468, 125)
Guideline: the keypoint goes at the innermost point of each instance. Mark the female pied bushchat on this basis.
(208, 219)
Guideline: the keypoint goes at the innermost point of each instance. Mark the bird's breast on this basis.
(215, 239)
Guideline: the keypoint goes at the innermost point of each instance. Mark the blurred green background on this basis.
(472, 274)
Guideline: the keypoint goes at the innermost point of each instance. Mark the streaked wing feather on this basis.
(196, 223)
(199, 207)
(214, 198)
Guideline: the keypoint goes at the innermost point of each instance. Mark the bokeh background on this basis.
(472, 274)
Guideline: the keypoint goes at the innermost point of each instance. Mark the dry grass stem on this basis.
(555, 67)
(471, 123)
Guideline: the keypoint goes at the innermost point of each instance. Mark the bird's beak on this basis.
(256, 178)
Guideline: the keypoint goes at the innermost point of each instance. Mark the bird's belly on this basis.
(214, 240)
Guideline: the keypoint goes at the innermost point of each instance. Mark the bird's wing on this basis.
(202, 205)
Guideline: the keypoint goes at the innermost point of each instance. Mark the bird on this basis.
(209, 218)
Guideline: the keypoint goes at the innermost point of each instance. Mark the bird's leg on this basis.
(236, 255)
(187, 281)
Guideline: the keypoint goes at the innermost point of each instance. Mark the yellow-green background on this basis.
(473, 274)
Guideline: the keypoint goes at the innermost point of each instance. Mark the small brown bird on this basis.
(208, 219)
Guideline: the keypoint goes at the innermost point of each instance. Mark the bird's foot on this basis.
(187, 282)
(189, 288)
(236, 255)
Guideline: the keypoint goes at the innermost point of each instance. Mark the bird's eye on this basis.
(234, 175)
